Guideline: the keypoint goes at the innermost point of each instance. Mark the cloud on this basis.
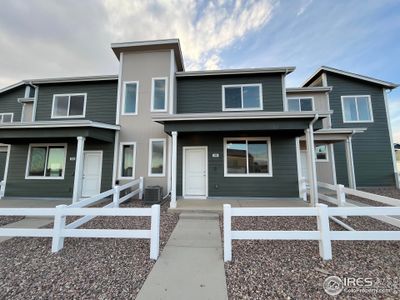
(304, 7)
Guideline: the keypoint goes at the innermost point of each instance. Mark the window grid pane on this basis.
(55, 161)
(37, 161)
(251, 97)
(233, 97)
(257, 157)
(61, 106)
(130, 98)
(293, 105)
(321, 152)
(127, 161)
(76, 105)
(159, 94)
(363, 109)
(236, 152)
(306, 104)
(6, 118)
(350, 109)
(157, 157)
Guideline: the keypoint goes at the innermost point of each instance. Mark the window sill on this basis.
(43, 178)
(248, 175)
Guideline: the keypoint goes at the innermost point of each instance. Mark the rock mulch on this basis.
(84, 268)
(391, 192)
(294, 269)
(4, 220)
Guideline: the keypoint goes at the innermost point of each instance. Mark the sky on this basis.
(54, 38)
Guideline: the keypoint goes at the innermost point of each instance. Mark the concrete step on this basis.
(198, 216)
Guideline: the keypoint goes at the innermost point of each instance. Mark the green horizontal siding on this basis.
(9, 102)
(100, 103)
(372, 149)
(204, 94)
(18, 186)
(284, 182)
(3, 160)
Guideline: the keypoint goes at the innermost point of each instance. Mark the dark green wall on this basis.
(18, 186)
(100, 104)
(3, 160)
(283, 183)
(372, 149)
(204, 94)
(9, 102)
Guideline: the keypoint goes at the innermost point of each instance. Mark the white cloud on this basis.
(304, 7)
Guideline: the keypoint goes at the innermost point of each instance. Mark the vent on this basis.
(153, 194)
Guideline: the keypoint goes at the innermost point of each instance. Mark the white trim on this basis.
(174, 154)
(284, 96)
(299, 100)
(299, 169)
(69, 95)
(285, 70)
(150, 174)
(260, 91)
(77, 189)
(10, 87)
(327, 152)
(59, 124)
(267, 139)
(101, 169)
(34, 109)
(171, 82)
(391, 138)
(123, 113)
(169, 169)
(333, 164)
(115, 159)
(184, 195)
(6, 168)
(2, 115)
(45, 165)
(120, 177)
(119, 100)
(165, 94)
(356, 102)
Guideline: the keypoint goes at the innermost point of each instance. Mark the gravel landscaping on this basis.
(4, 220)
(84, 268)
(294, 269)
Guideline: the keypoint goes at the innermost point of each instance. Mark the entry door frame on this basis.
(101, 168)
(184, 171)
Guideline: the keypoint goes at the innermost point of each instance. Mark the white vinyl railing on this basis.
(303, 188)
(61, 229)
(323, 234)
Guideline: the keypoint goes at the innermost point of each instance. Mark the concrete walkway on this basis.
(28, 222)
(191, 265)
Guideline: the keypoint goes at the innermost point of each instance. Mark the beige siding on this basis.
(142, 67)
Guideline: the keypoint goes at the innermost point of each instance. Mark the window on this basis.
(46, 161)
(159, 94)
(242, 97)
(157, 157)
(356, 109)
(300, 104)
(128, 159)
(247, 157)
(130, 98)
(321, 152)
(69, 106)
(6, 117)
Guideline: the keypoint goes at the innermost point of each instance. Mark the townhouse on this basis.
(197, 134)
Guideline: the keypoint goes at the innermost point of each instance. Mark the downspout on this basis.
(313, 186)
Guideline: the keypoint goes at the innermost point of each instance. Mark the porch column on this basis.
(312, 170)
(350, 163)
(78, 169)
(173, 168)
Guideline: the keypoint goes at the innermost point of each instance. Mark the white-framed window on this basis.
(247, 157)
(357, 109)
(6, 117)
(321, 152)
(159, 94)
(127, 155)
(300, 104)
(157, 157)
(69, 106)
(240, 97)
(46, 161)
(130, 98)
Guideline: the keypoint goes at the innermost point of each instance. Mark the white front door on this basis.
(304, 165)
(92, 164)
(195, 172)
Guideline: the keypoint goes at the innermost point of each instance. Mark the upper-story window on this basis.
(242, 97)
(159, 95)
(357, 109)
(6, 117)
(300, 104)
(69, 106)
(130, 97)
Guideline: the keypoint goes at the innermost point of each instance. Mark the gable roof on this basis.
(322, 69)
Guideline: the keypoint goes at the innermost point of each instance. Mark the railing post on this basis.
(155, 231)
(304, 188)
(325, 247)
(227, 232)
(116, 195)
(58, 227)
(141, 188)
(341, 197)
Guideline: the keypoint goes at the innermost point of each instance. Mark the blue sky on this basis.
(46, 38)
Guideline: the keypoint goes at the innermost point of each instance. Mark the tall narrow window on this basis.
(128, 157)
(46, 161)
(130, 98)
(247, 157)
(242, 97)
(157, 156)
(159, 95)
(356, 109)
(300, 104)
(69, 106)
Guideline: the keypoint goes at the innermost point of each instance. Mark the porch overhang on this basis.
(19, 132)
(294, 122)
(335, 135)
